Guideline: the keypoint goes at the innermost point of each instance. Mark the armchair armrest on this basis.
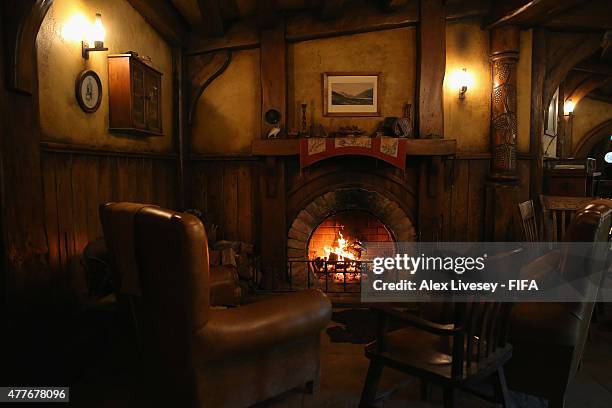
(541, 268)
(418, 322)
(255, 327)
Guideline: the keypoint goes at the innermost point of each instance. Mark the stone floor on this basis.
(343, 372)
(344, 368)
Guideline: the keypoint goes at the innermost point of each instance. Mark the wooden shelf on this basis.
(414, 147)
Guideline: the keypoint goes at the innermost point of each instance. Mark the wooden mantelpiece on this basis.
(414, 147)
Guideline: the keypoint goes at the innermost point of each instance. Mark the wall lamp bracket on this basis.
(98, 46)
(462, 92)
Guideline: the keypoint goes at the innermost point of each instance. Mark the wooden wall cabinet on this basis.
(135, 97)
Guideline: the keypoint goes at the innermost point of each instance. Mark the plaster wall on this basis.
(227, 117)
(391, 52)
(228, 113)
(588, 113)
(60, 62)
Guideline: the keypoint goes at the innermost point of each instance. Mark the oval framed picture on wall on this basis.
(88, 91)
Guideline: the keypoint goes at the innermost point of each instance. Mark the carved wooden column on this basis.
(502, 186)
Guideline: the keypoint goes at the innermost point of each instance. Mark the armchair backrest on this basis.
(590, 224)
(117, 221)
(172, 254)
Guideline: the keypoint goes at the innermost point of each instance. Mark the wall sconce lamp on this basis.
(460, 80)
(463, 83)
(568, 107)
(97, 37)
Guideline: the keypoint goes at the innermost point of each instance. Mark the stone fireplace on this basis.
(324, 240)
(353, 194)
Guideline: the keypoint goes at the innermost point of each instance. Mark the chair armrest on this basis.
(419, 322)
(258, 326)
(541, 268)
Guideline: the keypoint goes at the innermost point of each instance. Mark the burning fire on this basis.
(342, 260)
(343, 251)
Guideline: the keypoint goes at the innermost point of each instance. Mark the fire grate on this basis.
(332, 276)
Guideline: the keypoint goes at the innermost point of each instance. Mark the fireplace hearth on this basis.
(325, 242)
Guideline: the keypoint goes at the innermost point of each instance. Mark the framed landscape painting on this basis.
(351, 94)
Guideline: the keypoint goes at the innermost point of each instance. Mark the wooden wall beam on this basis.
(212, 18)
(202, 70)
(20, 31)
(536, 127)
(165, 19)
(273, 76)
(432, 66)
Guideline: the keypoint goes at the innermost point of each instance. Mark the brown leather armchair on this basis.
(118, 225)
(549, 338)
(219, 358)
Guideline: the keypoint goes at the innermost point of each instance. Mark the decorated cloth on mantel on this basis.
(390, 149)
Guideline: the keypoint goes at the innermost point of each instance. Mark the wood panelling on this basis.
(224, 191)
(75, 184)
(463, 201)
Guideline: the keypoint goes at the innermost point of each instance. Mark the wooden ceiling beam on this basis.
(393, 5)
(354, 20)
(528, 12)
(165, 19)
(595, 67)
(331, 9)
(212, 18)
(591, 83)
(591, 16)
(268, 14)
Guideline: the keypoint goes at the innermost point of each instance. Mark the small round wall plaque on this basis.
(89, 91)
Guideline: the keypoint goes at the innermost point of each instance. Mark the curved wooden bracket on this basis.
(564, 51)
(591, 138)
(202, 70)
(20, 33)
(582, 89)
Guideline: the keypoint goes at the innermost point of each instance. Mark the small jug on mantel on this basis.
(405, 123)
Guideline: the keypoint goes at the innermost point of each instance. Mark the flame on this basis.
(342, 250)
(345, 252)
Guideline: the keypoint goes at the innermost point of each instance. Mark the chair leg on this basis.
(449, 397)
(501, 388)
(368, 394)
(425, 388)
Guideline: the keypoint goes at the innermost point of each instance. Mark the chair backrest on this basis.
(118, 226)
(530, 224)
(591, 224)
(485, 332)
(172, 255)
(558, 214)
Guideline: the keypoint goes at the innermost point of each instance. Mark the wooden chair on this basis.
(559, 212)
(471, 351)
(530, 223)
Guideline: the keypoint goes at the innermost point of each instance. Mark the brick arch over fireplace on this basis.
(345, 199)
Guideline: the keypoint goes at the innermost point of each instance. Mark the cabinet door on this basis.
(153, 101)
(138, 96)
